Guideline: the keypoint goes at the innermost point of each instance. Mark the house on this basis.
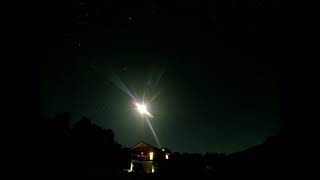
(146, 158)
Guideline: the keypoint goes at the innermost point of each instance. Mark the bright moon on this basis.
(142, 108)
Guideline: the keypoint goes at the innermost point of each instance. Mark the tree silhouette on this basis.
(83, 150)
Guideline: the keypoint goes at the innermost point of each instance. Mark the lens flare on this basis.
(141, 104)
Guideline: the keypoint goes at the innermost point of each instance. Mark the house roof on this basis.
(143, 145)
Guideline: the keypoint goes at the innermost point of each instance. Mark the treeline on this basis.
(87, 150)
(271, 159)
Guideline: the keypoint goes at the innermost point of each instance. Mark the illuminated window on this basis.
(167, 156)
(151, 156)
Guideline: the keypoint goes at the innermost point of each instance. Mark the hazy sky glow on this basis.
(211, 80)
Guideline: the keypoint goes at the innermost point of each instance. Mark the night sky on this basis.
(213, 63)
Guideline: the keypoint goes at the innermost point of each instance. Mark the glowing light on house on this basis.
(131, 167)
(167, 156)
(152, 169)
(151, 156)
